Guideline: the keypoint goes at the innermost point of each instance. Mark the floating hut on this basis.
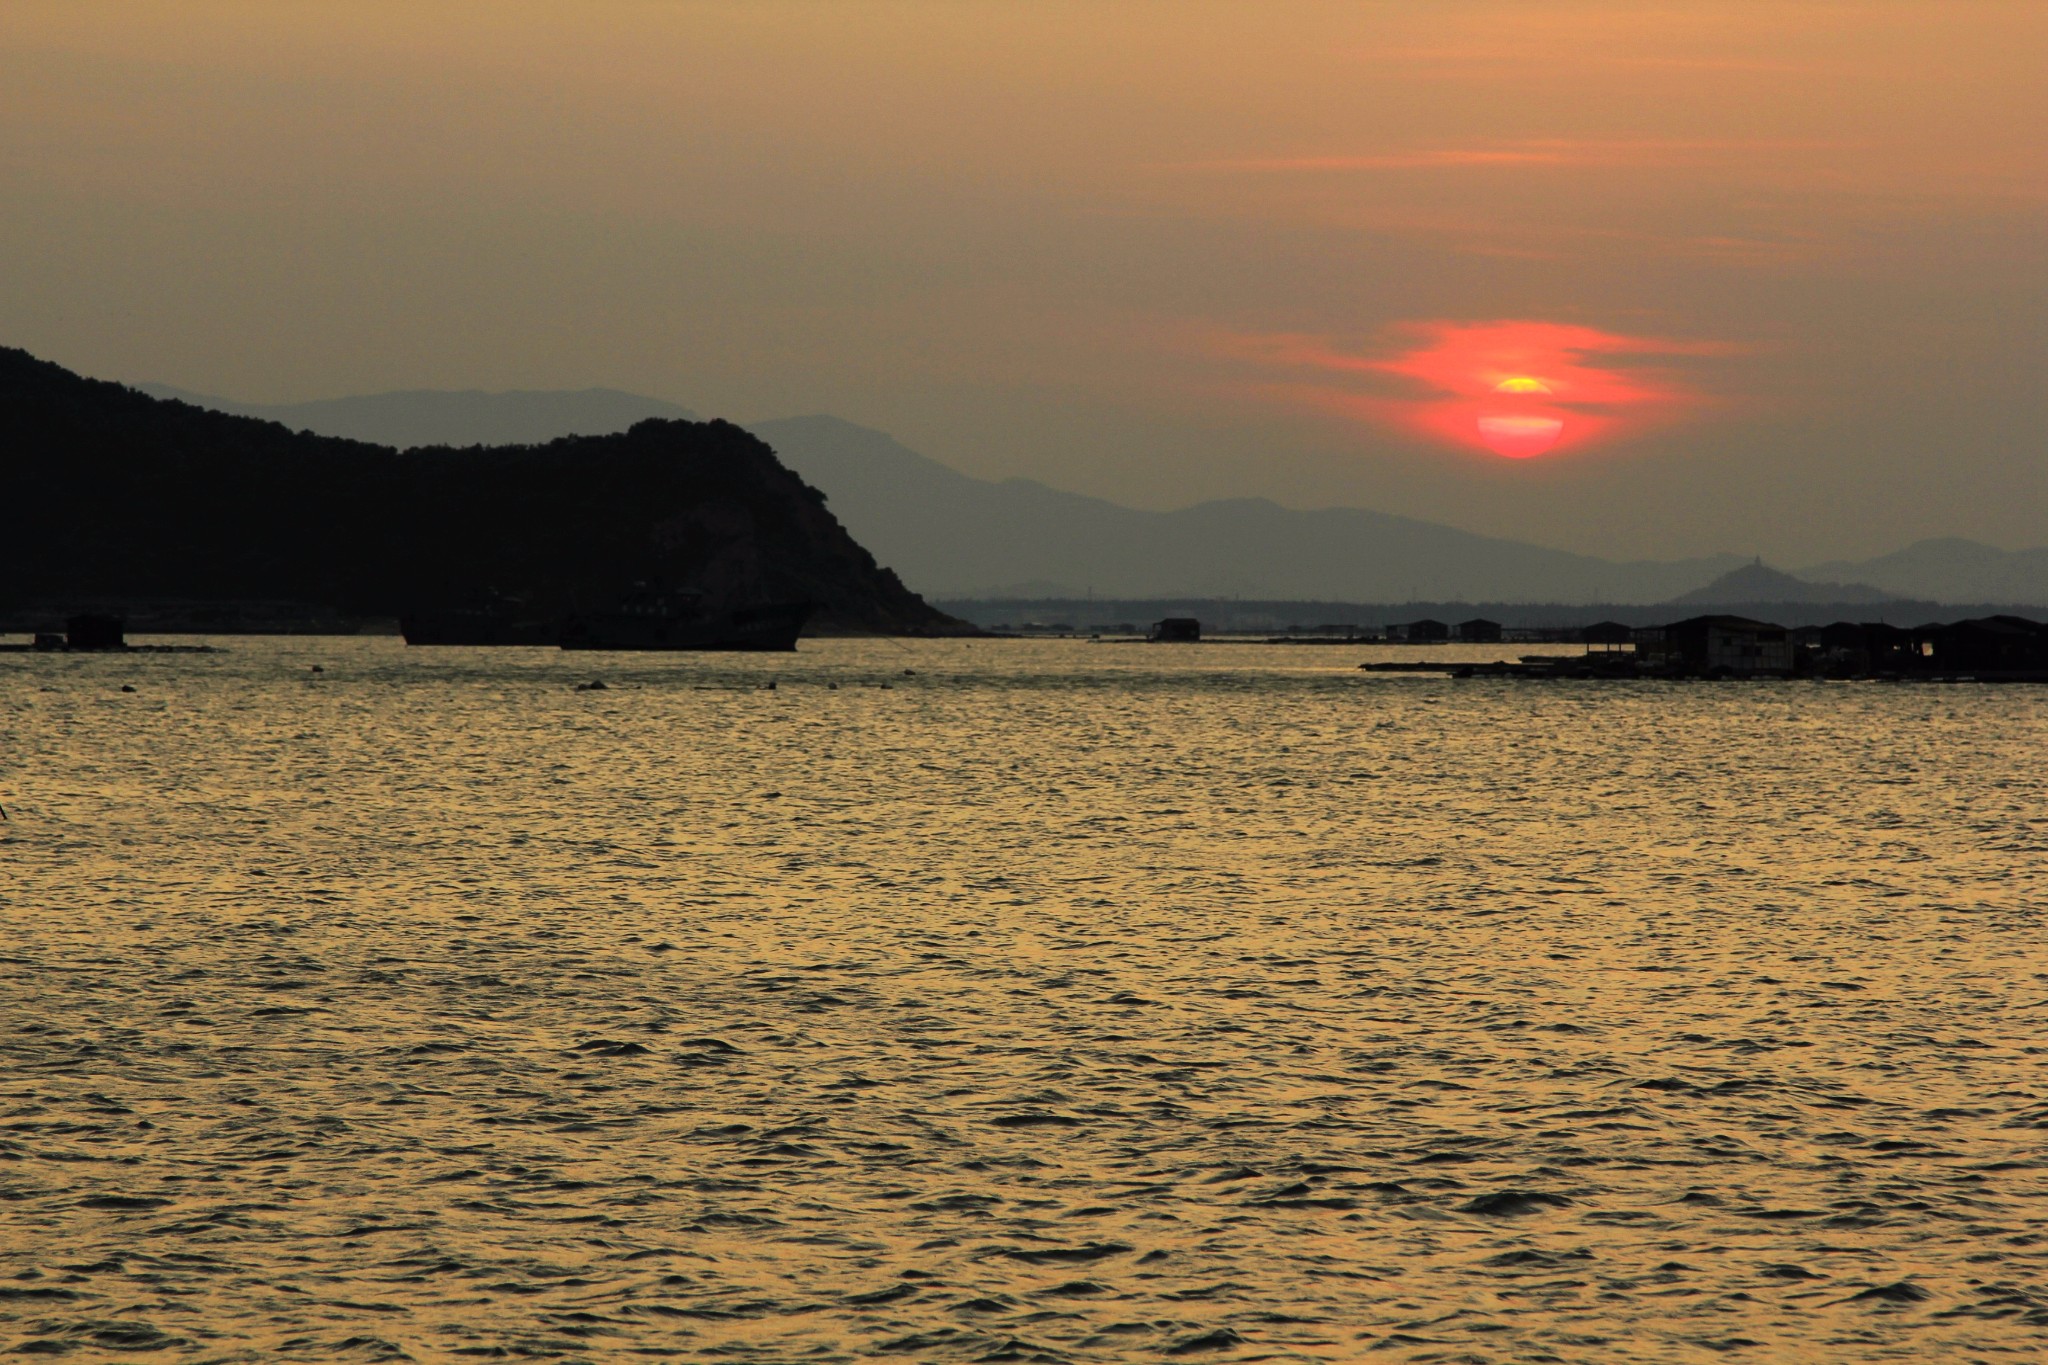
(1717, 644)
(1607, 637)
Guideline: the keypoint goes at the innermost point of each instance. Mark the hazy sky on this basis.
(1774, 270)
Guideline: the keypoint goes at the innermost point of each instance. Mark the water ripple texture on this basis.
(1012, 1001)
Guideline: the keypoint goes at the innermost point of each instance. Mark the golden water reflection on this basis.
(1013, 1001)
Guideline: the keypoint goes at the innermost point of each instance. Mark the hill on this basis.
(950, 533)
(962, 537)
(115, 495)
(955, 535)
(1759, 582)
(1950, 569)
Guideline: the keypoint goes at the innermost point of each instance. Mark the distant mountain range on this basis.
(951, 535)
(968, 537)
(1950, 569)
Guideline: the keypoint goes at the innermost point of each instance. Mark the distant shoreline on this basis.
(1232, 616)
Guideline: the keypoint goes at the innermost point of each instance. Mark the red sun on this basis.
(1516, 422)
(1517, 389)
(1526, 389)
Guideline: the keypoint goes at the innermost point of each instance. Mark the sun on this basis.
(1519, 436)
(1519, 389)
(1515, 423)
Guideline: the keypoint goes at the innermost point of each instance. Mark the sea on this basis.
(1013, 1000)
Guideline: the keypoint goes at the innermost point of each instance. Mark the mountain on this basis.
(957, 536)
(954, 535)
(1950, 570)
(962, 537)
(431, 417)
(1759, 582)
(115, 496)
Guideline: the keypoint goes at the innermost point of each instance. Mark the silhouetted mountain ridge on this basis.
(951, 534)
(114, 494)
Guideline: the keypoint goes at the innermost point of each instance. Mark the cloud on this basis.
(1394, 161)
(1528, 152)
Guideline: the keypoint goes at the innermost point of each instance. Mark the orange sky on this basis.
(1075, 241)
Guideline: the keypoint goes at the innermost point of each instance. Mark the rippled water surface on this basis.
(1013, 1001)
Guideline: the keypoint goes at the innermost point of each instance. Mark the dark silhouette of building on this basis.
(1181, 629)
(1607, 636)
(1860, 647)
(1479, 631)
(1717, 644)
(1987, 644)
(1423, 632)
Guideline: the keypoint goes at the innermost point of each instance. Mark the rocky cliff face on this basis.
(700, 505)
(113, 494)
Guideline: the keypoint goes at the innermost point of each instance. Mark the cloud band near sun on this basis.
(1517, 388)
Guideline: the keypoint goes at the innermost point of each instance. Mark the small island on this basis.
(171, 517)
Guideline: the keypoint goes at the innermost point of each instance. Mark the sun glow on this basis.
(1518, 389)
(1513, 425)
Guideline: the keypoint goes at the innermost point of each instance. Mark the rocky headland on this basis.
(117, 498)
